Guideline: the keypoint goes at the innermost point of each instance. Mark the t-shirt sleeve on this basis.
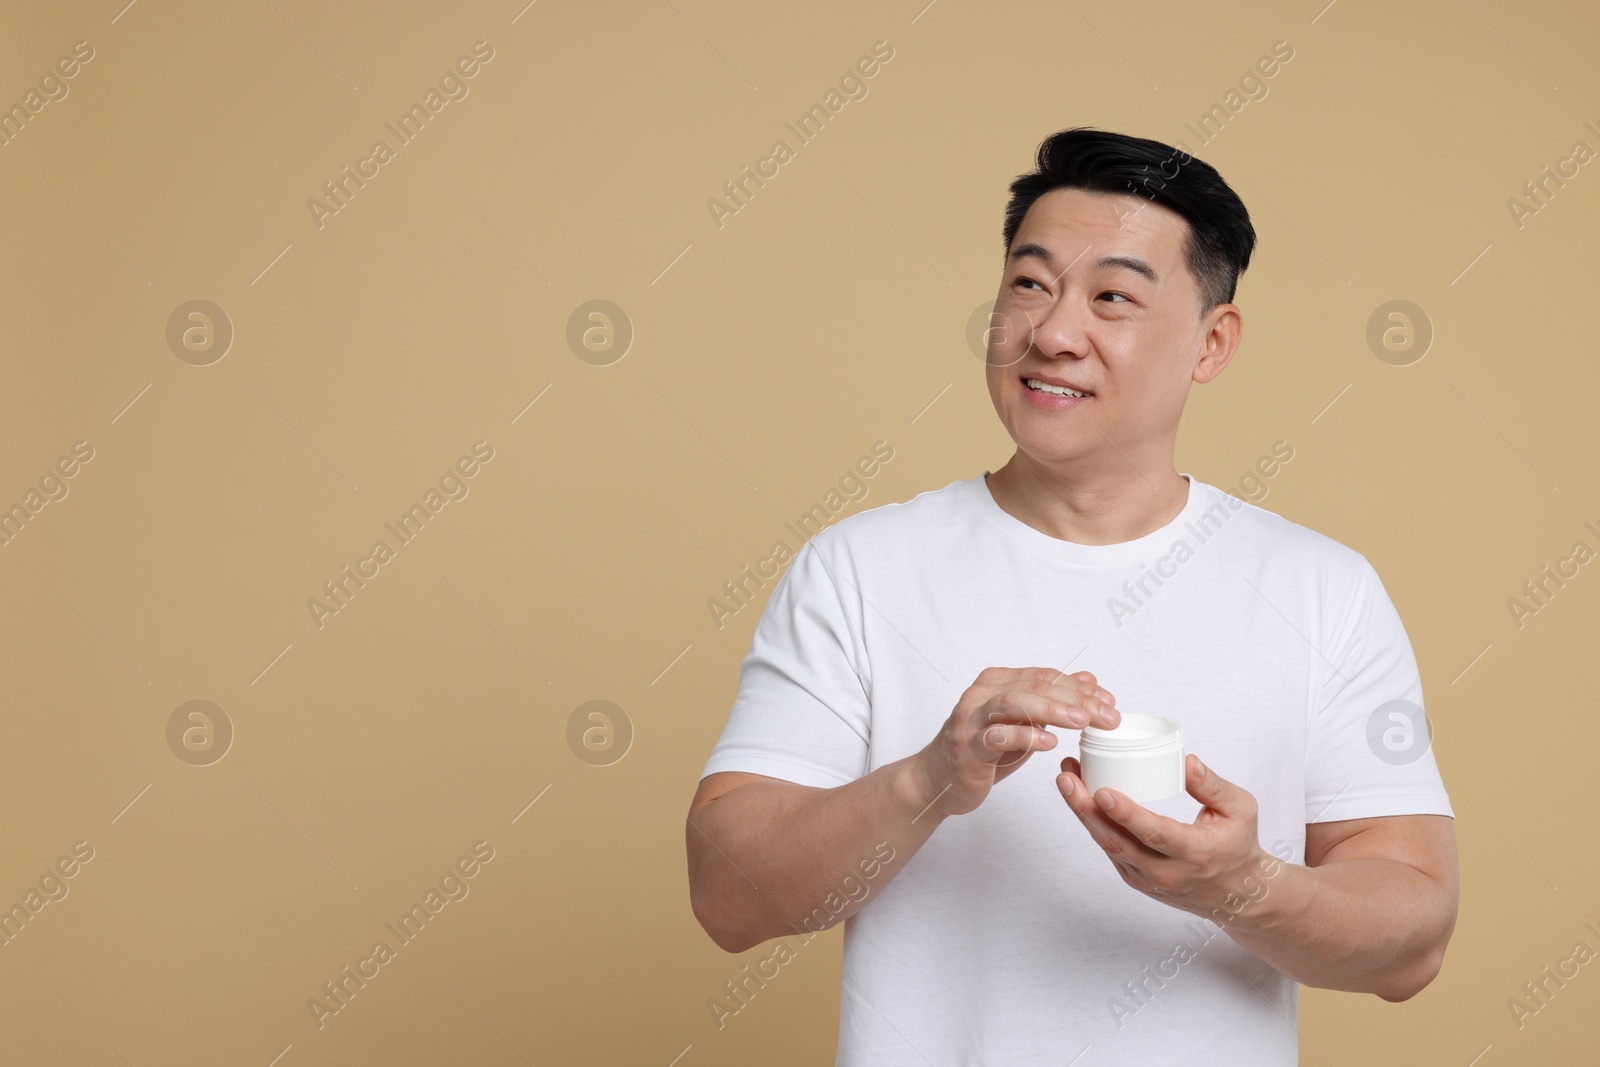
(1368, 750)
(802, 712)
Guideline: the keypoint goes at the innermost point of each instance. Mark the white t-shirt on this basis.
(1009, 938)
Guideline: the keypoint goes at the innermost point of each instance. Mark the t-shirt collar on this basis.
(1156, 541)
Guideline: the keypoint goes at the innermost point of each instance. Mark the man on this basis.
(876, 765)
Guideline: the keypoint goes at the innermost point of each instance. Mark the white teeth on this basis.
(1044, 387)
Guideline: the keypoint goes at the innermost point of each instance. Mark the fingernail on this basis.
(1200, 768)
(1107, 801)
(1067, 789)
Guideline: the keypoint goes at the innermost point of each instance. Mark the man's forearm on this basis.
(770, 859)
(1359, 925)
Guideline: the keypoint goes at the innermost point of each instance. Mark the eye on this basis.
(1124, 296)
(1030, 281)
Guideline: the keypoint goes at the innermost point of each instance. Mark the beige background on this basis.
(371, 353)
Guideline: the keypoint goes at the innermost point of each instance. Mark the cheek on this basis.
(994, 377)
(1169, 366)
(1150, 386)
(1010, 328)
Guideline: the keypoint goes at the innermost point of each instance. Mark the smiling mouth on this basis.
(1053, 390)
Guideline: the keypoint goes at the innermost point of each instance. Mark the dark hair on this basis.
(1220, 239)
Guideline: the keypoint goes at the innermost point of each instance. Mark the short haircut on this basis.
(1220, 239)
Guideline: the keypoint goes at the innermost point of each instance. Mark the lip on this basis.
(1048, 380)
(1050, 401)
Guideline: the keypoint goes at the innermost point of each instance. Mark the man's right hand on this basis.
(998, 723)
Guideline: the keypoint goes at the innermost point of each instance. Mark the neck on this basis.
(1089, 507)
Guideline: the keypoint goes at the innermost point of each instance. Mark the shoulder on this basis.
(1269, 539)
(894, 523)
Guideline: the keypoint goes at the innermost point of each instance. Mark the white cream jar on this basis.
(1141, 758)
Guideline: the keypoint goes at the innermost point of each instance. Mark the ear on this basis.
(1220, 342)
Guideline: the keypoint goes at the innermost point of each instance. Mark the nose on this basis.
(1063, 331)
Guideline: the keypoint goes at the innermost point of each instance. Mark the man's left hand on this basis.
(1197, 868)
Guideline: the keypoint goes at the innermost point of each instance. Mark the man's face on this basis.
(1096, 293)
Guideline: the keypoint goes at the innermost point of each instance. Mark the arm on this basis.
(769, 857)
(1375, 904)
(1370, 912)
(805, 697)
(829, 857)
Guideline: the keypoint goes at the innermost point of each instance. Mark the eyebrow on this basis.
(1038, 251)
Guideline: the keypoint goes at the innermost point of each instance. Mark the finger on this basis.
(1049, 680)
(996, 740)
(1087, 684)
(1055, 675)
(1159, 834)
(1078, 690)
(1108, 834)
(1215, 791)
(1093, 698)
(1068, 711)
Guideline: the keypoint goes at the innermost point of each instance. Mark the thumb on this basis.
(1211, 789)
